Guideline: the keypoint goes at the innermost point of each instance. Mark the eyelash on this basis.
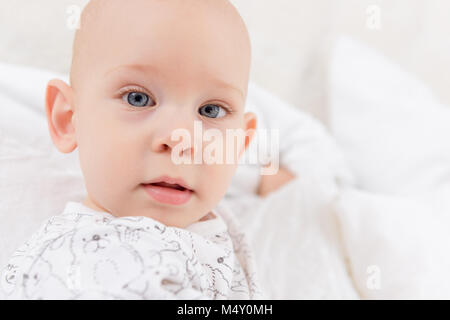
(140, 90)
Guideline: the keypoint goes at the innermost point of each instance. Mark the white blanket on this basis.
(395, 134)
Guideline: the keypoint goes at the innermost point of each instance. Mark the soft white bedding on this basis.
(395, 136)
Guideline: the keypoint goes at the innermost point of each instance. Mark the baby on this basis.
(151, 227)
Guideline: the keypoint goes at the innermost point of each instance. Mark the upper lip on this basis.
(170, 180)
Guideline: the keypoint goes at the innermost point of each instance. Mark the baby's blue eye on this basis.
(212, 111)
(137, 99)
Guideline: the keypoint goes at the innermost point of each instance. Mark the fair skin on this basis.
(168, 54)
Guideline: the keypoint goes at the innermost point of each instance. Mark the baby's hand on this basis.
(271, 183)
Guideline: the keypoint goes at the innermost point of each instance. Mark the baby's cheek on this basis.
(108, 157)
(216, 178)
(120, 159)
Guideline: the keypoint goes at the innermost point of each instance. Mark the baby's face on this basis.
(144, 69)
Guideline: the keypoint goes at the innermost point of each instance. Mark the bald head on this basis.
(113, 31)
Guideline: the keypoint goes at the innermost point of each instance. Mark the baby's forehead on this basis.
(107, 13)
(183, 32)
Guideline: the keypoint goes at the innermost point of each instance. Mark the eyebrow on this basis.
(144, 68)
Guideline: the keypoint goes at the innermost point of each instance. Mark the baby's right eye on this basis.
(137, 99)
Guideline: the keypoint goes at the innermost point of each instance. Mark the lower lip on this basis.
(168, 195)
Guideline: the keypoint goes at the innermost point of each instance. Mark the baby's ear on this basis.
(250, 124)
(60, 111)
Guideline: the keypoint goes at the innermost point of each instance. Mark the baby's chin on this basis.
(169, 216)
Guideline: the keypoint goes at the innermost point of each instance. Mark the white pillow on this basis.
(399, 247)
(394, 133)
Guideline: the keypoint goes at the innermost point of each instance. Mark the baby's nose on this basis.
(181, 146)
(177, 131)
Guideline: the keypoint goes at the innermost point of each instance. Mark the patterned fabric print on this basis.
(96, 256)
(243, 252)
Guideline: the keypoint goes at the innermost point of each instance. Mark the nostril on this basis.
(163, 147)
(96, 237)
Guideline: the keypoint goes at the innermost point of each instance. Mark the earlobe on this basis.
(59, 111)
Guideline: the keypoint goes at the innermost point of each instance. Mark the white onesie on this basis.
(87, 254)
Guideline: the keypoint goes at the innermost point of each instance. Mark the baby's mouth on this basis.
(168, 193)
(169, 185)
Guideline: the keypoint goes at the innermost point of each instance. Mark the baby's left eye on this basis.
(212, 111)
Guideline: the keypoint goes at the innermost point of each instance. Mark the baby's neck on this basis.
(209, 216)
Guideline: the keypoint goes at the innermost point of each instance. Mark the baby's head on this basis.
(142, 69)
